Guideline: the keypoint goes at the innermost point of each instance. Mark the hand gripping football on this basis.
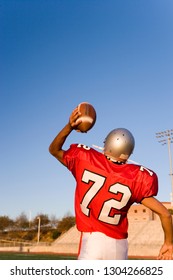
(88, 116)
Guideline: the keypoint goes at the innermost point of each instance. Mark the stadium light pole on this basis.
(166, 137)
(38, 234)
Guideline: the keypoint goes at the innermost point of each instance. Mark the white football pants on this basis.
(98, 246)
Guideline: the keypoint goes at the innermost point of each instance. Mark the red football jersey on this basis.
(105, 190)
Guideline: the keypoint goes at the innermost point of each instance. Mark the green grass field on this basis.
(29, 256)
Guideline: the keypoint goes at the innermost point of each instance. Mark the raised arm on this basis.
(55, 147)
(166, 250)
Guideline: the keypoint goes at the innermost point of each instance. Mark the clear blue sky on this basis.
(115, 54)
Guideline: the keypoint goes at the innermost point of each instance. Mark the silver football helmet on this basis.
(119, 145)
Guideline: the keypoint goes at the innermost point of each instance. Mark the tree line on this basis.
(23, 223)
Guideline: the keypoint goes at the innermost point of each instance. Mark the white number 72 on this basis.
(105, 208)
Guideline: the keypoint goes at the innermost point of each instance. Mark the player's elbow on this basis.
(165, 214)
(52, 150)
(58, 154)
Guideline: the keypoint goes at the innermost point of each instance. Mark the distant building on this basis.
(139, 212)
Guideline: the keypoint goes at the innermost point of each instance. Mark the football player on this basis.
(106, 187)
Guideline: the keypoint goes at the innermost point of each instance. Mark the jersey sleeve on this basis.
(148, 185)
(70, 156)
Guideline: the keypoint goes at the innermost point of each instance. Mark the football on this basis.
(88, 116)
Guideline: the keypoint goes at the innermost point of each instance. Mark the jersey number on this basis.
(97, 183)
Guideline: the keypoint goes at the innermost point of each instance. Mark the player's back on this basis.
(106, 190)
